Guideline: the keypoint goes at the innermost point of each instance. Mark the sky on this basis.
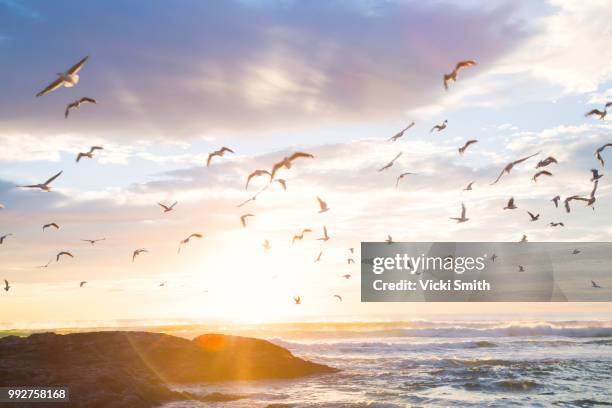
(266, 78)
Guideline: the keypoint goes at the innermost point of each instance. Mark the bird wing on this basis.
(77, 67)
(196, 235)
(226, 149)
(297, 155)
(86, 99)
(464, 64)
(79, 156)
(163, 206)
(595, 183)
(396, 157)
(593, 112)
(462, 210)
(53, 178)
(524, 158)
(94, 148)
(210, 156)
(51, 87)
(322, 204)
(68, 107)
(500, 176)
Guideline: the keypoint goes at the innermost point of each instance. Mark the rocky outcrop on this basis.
(133, 369)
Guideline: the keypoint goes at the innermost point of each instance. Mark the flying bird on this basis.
(596, 175)
(3, 237)
(322, 205)
(219, 153)
(137, 252)
(389, 239)
(82, 284)
(300, 236)
(510, 205)
(462, 218)
(77, 104)
(453, 75)
(256, 173)
(282, 182)
(166, 207)
(319, 257)
(297, 300)
(93, 241)
(338, 297)
(386, 166)
(546, 162)
(68, 79)
(243, 219)
(439, 128)
(465, 146)
(400, 133)
(352, 250)
(325, 237)
(511, 165)
(6, 285)
(350, 261)
(521, 268)
(598, 153)
(401, 176)
(60, 254)
(44, 186)
(266, 245)
(556, 224)
(287, 162)
(576, 252)
(593, 284)
(533, 217)
(186, 240)
(596, 112)
(541, 173)
(469, 186)
(493, 257)
(88, 154)
(524, 239)
(347, 276)
(52, 224)
(555, 200)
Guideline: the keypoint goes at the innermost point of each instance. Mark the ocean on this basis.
(437, 364)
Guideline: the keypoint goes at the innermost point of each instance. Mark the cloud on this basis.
(233, 66)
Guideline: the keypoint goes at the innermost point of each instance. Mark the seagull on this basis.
(555, 200)
(6, 285)
(465, 146)
(511, 165)
(546, 162)
(597, 112)
(82, 284)
(266, 245)
(493, 257)
(400, 133)
(68, 79)
(297, 300)
(389, 239)
(556, 224)
(521, 268)
(401, 176)
(287, 161)
(300, 236)
(93, 241)
(243, 219)
(162, 284)
(462, 218)
(593, 284)
(186, 240)
(469, 186)
(322, 205)
(57, 257)
(533, 217)
(596, 175)
(325, 237)
(46, 265)
(541, 173)
(453, 75)
(77, 104)
(338, 297)
(350, 261)
(282, 182)
(3, 237)
(54, 225)
(319, 257)
(386, 166)
(219, 153)
(524, 239)
(439, 128)
(347, 276)
(138, 252)
(352, 250)
(256, 173)
(576, 252)
(89, 154)
(510, 205)
(598, 153)
(166, 207)
(44, 186)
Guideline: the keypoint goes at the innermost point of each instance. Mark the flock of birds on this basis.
(70, 78)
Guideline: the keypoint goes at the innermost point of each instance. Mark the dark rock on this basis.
(133, 369)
